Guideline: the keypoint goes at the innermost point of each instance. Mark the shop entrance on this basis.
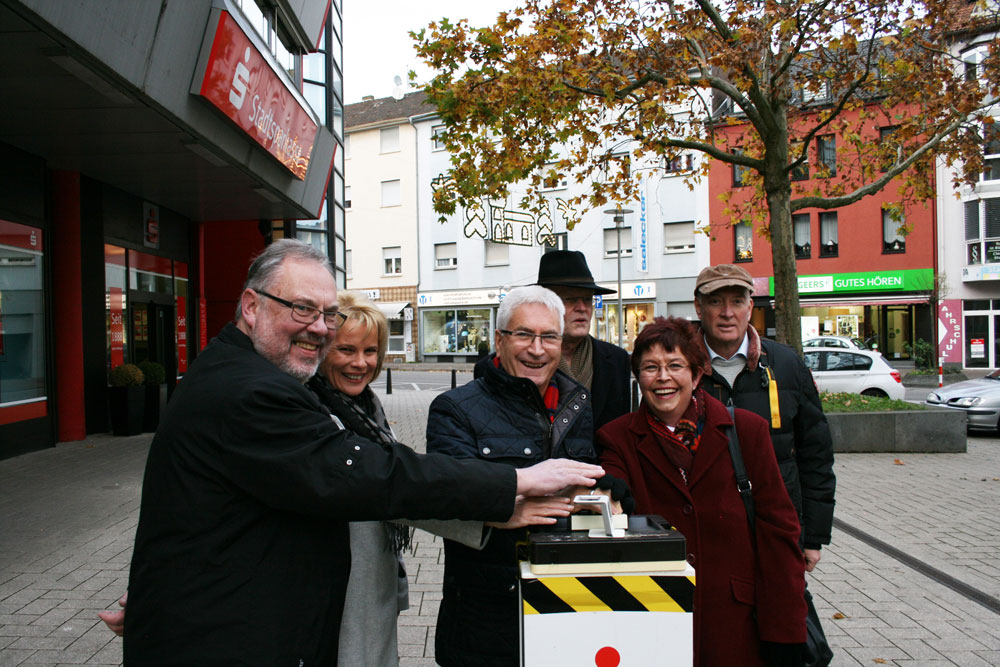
(637, 316)
(898, 332)
(151, 330)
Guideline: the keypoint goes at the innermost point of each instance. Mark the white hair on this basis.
(520, 296)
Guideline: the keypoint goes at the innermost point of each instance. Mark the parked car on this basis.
(979, 399)
(835, 341)
(864, 372)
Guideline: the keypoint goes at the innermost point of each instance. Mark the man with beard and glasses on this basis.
(242, 553)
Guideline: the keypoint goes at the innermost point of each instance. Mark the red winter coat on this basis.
(732, 581)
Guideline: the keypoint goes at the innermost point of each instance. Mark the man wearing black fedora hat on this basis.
(600, 367)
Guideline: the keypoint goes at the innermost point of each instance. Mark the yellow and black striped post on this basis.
(607, 620)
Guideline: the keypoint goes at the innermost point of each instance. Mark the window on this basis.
(347, 196)
(991, 234)
(497, 254)
(436, 142)
(678, 236)
(552, 180)
(390, 193)
(554, 242)
(801, 172)
(739, 171)
(454, 331)
(890, 146)
(846, 361)
(611, 242)
(826, 152)
(678, 163)
(396, 332)
(388, 138)
(744, 241)
(349, 263)
(22, 343)
(816, 92)
(828, 234)
(991, 152)
(445, 255)
(971, 61)
(802, 236)
(615, 164)
(392, 258)
(974, 251)
(892, 238)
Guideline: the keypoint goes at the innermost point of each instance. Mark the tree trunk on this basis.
(787, 315)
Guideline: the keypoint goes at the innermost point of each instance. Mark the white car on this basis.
(864, 372)
(835, 341)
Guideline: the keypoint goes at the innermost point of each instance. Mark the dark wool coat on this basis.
(241, 554)
(802, 445)
(497, 417)
(610, 387)
(734, 581)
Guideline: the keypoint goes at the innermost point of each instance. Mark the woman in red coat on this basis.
(674, 453)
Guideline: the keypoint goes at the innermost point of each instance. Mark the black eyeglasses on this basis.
(309, 314)
(527, 337)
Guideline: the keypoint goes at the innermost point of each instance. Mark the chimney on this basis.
(368, 98)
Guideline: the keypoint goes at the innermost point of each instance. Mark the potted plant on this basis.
(126, 399)
(155, 379)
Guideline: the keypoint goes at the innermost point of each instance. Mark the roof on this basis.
(386, 109)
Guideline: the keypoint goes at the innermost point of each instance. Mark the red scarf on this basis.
(551, 397)
(680, 444)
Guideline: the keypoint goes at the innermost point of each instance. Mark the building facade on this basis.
(147, 152)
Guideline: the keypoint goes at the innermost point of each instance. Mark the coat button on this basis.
(527, 450)
(486, 450)
(691, 558)
(688, 509)
(350, 462)
(583, 397)
(357, 448)
(576, 407)
(565, 420)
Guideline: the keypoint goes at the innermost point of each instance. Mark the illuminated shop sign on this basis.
(240, 82)
(905, 280)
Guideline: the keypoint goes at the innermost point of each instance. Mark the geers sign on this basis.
(238, 80)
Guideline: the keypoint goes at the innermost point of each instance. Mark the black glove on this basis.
(619, 492)
(776, 654)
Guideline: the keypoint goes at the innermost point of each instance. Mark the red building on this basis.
(859, 276)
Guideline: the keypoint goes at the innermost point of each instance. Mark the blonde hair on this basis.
(362, 312)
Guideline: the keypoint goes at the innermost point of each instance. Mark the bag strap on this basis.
(743, 484)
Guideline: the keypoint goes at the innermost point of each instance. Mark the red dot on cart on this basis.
(607, 657)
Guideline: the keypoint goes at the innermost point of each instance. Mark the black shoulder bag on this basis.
(818, 650)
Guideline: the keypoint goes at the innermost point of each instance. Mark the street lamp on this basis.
(619, 217)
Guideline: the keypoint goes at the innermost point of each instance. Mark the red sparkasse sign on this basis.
(240, 82)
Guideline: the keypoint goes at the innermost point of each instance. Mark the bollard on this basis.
(388, 380)
(940, 376)
(454, 378)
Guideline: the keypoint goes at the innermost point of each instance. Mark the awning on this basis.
(393, 310)
(865, 300)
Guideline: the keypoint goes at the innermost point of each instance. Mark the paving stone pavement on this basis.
(68, 516)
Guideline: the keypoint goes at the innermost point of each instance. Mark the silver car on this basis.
(979, 399)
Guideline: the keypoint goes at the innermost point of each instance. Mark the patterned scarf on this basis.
(680, 444)
(363, 415)
(580, 365)
(551, 397)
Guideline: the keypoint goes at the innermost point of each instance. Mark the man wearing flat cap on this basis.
(601, 367)
(770, 379)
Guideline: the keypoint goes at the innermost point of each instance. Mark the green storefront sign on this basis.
(905, 280)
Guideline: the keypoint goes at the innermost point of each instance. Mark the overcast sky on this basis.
(377, 47)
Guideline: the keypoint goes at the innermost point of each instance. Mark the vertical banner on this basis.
(181, 334)
(117, 326)
(641, 239)
(950, 330)
(202, 324)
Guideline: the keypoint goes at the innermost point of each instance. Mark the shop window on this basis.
(149, 273)
(893, 240)
(454, 331)
(977, 341)
(826, 151)
(802, 236)
(181, 327)
(743, 232)
(678, 237)
(611, 246)
(445, 255)
(388, 138)
(392, 259)
(391, 193)
(496, 254)
(22, 322)
(829, 246)
(396, 333)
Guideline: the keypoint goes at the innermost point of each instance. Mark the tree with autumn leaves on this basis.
(580, 89)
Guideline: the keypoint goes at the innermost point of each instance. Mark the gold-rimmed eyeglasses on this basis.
(673, 369)
(308, 314)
